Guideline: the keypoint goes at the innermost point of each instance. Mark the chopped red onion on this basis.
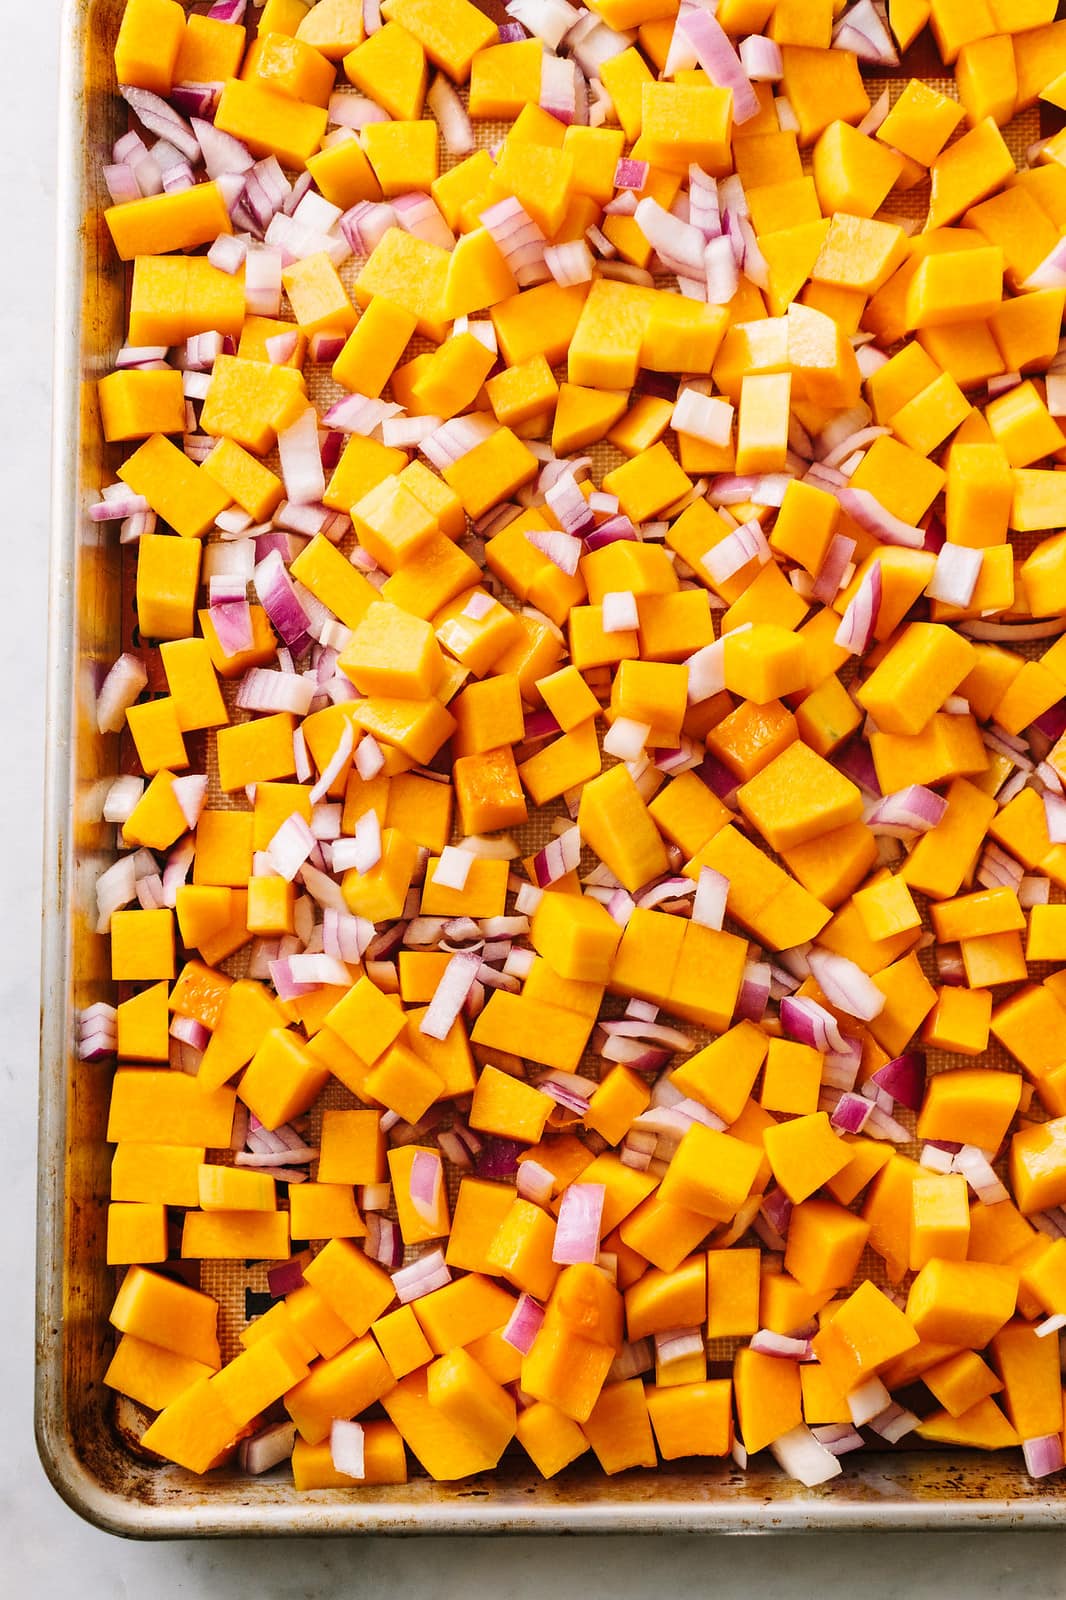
(702, 416)
(384, 1242)
(780, 1345)
(266, 1449)
(568, 1090)
(979, 1174)
(523, 1324)
(655, 1033)
(347, 1448)
(221, 151)
(118, 502)
(620, 611)
(955, 574)
(846, 986)
(800, 1455)
(558, 857)
(263, 690)
(882, 1126)
(706, 675)
(535, 1182)
(450, 995)
(120, 690)
(160, 118)
(761, 59)
(835, 569)
(871, 515)
(715, 54)
(679, 245)
(518, 239)
(809, 1023)
(429, 1272)
(1055, 816)
(731, 554)
(851, 1113)
(1013, 632)
(577, 1232)
(913, 810)
(859, 622)
(356, 413)
(1043, 1455)
(709, 902)
(904, 1079)
(451, 115)
(563, 550)
(721, 270)
(549, 20)
(456, 438)
(894, 1423)
(569, 263)
(426, 1184)
(868, 1400)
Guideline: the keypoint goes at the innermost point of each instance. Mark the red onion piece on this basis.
(523, 1324)
(809, 1023)
(862, 30)
(498, 1158)
(550, 20)
(851, 1113)
(680, 245)
(715, 54)
(451, 117)
(384, 1242)
(119, 690)
(955, 575)
(859, 622)
(846, 986)
(913, 810)
(780, 1345)
(267, 1449)
(160, 118)
(577, 1232)
(709, 902)
(1043, 1455)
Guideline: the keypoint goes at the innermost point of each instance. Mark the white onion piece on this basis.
(709, 904)
(453, 868)
(347, 1449)
(626, 738)
(703, 416)
(679, 244)
(119, 690)
(121, 799)
(620, 611)
(800, 1455)
(549, 20)
(570, 263)
(301, 459)
(955, 575)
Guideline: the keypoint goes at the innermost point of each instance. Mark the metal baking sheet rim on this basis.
(96, 1473)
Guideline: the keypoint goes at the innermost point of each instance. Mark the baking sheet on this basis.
(84, 1438)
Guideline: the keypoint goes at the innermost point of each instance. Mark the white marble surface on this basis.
(44, 1548)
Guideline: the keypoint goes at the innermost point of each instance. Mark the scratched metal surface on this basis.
(86, 1440)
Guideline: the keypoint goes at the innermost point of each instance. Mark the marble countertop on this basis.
(44, 1548)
